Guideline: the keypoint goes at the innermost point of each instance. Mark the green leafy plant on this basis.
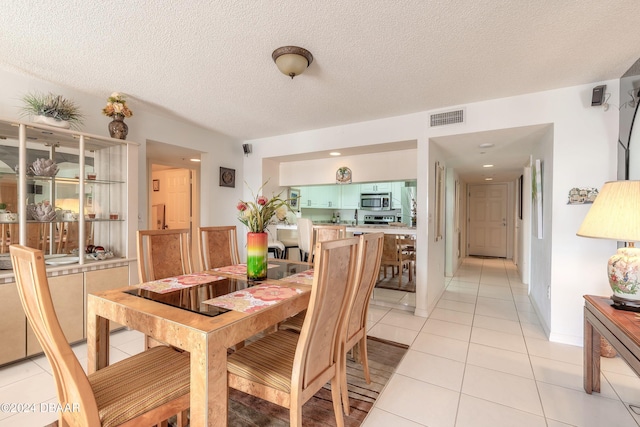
(54, 106)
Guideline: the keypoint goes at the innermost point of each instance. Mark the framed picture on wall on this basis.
(156, 185)
(294, 196)
(227, 177)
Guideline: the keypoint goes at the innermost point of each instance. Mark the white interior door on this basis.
(488, 220)
(178, 207)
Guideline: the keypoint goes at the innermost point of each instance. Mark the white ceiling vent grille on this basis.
(446, 118)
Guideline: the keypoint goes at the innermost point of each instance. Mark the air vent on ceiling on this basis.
(446, 118)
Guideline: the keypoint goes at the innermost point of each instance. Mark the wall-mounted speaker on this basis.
(597, 97)
(246, 148)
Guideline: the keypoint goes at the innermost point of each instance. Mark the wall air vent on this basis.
(446, 118)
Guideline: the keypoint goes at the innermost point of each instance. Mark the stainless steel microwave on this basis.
(375, 201)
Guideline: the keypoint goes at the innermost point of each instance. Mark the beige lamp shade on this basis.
(292, 60)
(615, 214)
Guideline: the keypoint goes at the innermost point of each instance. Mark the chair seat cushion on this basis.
(268, 361)
(135, 385)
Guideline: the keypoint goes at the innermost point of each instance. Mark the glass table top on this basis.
(194, 292)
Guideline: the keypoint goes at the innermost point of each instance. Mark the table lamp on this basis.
(615, 215)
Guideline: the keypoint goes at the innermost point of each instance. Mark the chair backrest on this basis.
(323, 233)
(305, 234)
(218, 246)
(163, 253)
(369, 258)
(390, 249)
(323, 329)
(272, 233)
(72, 384)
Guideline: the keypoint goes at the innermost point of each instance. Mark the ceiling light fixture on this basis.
(334, 153)
(488, 179)
(292, 60)
(487, 166)
(486, 145)
(195, 160)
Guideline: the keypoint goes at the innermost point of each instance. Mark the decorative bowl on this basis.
(44, 167)
(41, 211)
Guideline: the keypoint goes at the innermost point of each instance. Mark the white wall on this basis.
(218, 150)
(377, 167)
(583, 154)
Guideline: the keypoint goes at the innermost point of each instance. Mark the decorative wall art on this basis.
(343, 175)
(227, 177)
(439, 202)
(581, 196)
(294, 198)
(536, 194)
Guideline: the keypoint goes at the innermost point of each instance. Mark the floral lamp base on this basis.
(623, 270)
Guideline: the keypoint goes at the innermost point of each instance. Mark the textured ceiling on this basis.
(210, 61)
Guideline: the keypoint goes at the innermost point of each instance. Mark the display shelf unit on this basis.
(92, 194)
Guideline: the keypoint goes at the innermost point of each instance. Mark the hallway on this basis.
(482, 359)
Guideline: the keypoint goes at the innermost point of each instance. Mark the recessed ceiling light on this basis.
(486, 145)
(195, 160)
(334, 153)
(488, 179)
(487, 166)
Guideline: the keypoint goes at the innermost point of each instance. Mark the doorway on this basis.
(173, 189)
(488, 220)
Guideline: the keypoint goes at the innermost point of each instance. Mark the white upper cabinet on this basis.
(350, 196)
(375, 187)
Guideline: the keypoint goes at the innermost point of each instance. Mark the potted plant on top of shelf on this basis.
(52, 110)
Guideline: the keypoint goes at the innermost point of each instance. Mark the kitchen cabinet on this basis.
(396, 194)
(65, 190)
(67, 294)
(13, 326)
(375, 187)
(350, 196)
(320, 196)
(104, 280)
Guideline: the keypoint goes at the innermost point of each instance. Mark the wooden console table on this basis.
(622, 330)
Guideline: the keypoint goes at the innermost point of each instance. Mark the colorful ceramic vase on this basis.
(257, 245)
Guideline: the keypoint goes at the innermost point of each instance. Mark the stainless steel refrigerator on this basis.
(408, 202)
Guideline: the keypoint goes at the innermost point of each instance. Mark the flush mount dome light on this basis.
(334, 153)
(292, 60)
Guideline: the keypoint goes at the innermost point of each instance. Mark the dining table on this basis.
(204, 313)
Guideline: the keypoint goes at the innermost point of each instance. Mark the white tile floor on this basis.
(480, 359)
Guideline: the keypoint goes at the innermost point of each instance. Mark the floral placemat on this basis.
(254, 298)
(304, 277)
(238, 268)
(171, 284)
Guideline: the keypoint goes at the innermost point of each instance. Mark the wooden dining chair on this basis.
(368, 265)
(144, 389)
(287, 368)
(322, 233)
(274, 245)
(163, 253)
(218, 246)
(392, 256)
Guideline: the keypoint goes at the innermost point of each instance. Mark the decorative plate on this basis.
(343, 175)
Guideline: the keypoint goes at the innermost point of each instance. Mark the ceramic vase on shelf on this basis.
(118, 128)
(257, 245)
(50, 121)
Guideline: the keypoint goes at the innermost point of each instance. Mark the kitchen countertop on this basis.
(364, 228)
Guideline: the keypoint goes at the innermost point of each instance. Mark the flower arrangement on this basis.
(257, 214)
(53, 106)
(117, 104)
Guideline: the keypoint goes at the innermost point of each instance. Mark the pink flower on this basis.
(241, 206)
(262, 200)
